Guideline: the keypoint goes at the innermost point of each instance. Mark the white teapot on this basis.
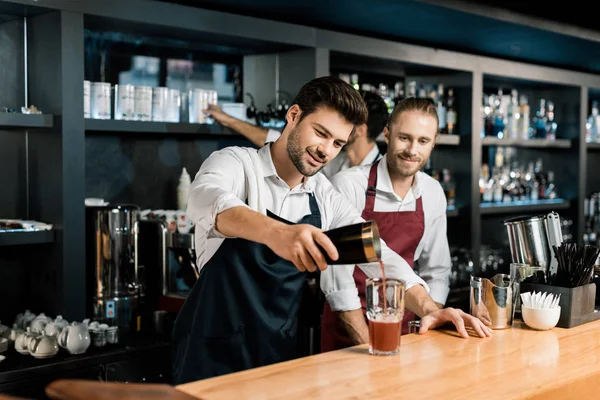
(43, 346)
(4, 331)
(39, 323)
(24, 319)
(14, 333)
(55, 327)
(22, 341)
(75, 338)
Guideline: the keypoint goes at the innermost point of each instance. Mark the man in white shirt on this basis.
(360, 149)
(260, 218)
(409, 207)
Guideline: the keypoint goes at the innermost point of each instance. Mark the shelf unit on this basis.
(132, 127)
(27, 237)
(20, 121)
(524, 206)
(57, 163)
(531, 143)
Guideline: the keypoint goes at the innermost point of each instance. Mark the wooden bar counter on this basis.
(516, 363)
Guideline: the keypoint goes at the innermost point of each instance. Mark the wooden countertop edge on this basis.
(580, 379)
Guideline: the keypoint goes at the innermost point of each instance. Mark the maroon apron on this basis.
(402, 232)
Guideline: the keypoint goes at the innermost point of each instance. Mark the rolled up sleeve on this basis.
(217, 187)
(435, 263)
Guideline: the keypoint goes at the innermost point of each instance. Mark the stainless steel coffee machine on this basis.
(114, 284)
(168, 258)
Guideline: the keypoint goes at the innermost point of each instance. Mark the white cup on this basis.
(124, 102)
(86, 99)
(100, 99)
(160, 108)
(143, 103)
(174, 105)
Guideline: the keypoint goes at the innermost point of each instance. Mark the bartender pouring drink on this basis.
(260, 218)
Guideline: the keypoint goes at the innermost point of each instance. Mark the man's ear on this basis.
(386, 135)
(292, 116)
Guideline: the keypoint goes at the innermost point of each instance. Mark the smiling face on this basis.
(410, 138)
(316, 139)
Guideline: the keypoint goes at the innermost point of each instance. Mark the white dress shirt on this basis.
(340, 163)
(230, 176)
(432, 251)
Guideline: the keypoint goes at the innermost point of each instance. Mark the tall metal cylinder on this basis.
(116, 287)
(115, 271)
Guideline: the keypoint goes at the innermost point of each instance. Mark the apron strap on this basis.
(314, 206)
(371, 185)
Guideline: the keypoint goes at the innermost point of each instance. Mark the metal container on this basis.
(492, 300)
(356, 244)
(116, 286)
(531, 239)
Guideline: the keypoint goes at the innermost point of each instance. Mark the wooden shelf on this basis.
(593, 146)
(532, 143)
(523, 206)
(18, 120)
(110, 125)
(14, 238)
(448, 140)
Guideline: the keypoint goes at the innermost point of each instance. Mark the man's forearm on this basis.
(245, 223)
(256, 134)
(419, 301)
(355, 325)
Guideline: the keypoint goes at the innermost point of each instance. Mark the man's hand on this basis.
(219, 115)
(459, 318)
(298, 244)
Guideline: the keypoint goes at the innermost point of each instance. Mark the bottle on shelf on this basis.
(540, 121)
(449, 187)
(592, 125)
(451, 114)
(513, 116)
(551, 125)
(523, 125)
(441, 109)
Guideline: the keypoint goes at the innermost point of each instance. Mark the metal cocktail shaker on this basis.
(356, 244)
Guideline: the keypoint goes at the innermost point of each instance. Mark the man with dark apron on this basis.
(260, 217)
(410, 135)
(244, 294)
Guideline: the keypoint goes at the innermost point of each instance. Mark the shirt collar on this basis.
(268, 168)
(384, 182)
(371, 157)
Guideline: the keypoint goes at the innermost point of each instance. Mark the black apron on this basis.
(242, 312)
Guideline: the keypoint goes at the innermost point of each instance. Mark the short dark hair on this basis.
(414, 104)
(333, 93)
(378, 114)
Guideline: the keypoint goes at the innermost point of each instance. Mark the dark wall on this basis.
(12, 92)
(145, 170)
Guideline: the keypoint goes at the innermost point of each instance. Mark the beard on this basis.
(297, 153)
(401, 168)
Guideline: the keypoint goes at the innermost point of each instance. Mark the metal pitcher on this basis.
(492, 300)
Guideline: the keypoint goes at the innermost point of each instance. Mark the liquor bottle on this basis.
(513, 116)
(551, 125)
(451, 115)
(441, 109)
(539, 122)
(449, 187)
(593, 124)
(524, 120)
